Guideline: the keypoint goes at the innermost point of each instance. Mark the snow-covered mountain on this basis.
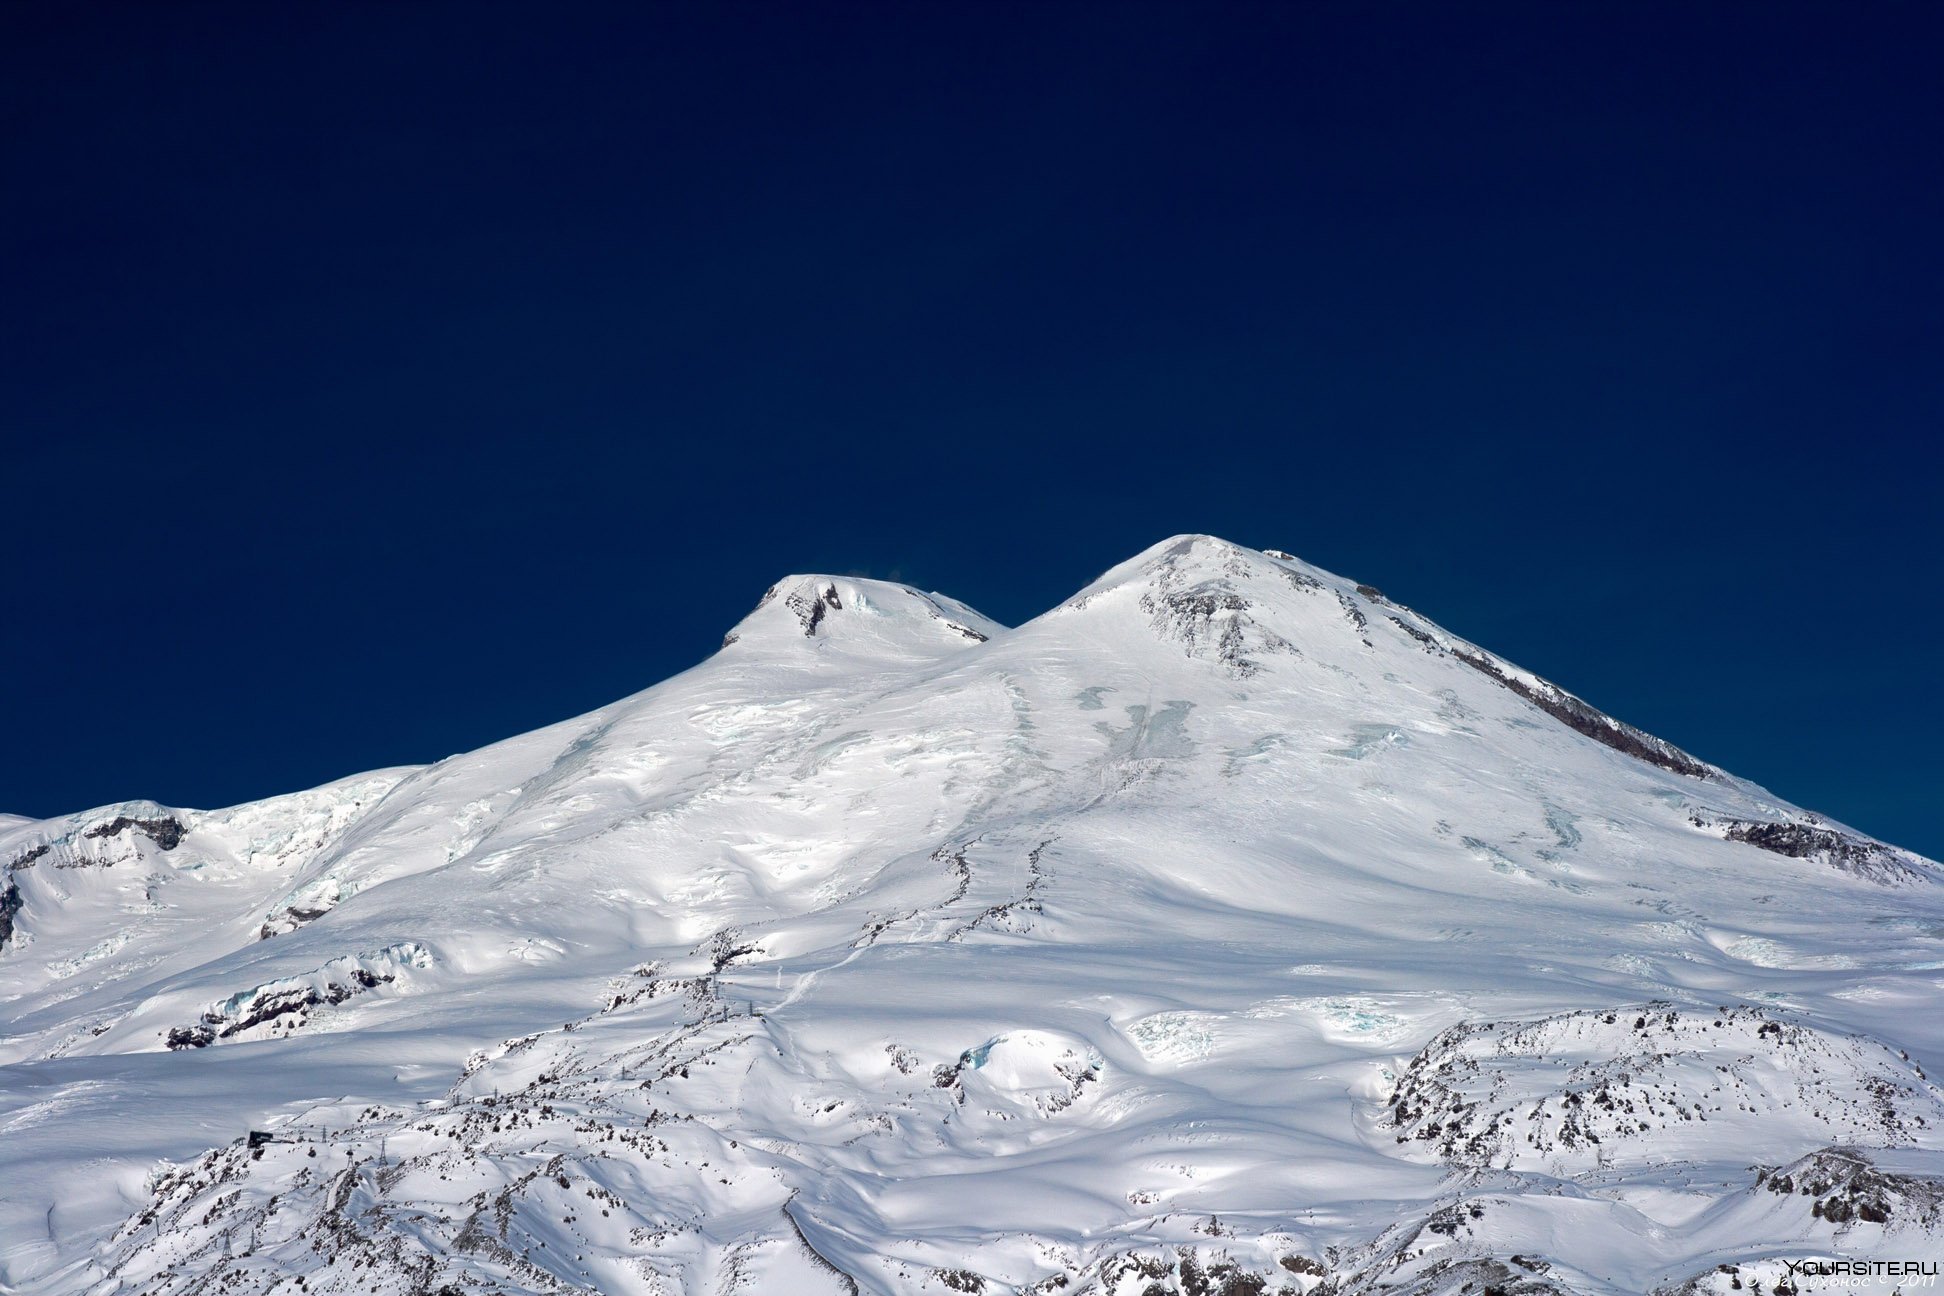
(1227, 929)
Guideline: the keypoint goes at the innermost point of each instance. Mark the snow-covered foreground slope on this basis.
(1228, 928)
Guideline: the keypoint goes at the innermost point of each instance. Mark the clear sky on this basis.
(378, 381)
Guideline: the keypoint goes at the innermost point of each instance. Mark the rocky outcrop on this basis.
(10, 904)
(285, 1005)
(1586, 720)
(1845, 1186)
(810, 606)
(1194, 597)
(1810, 839)
(165, 831)
(1567, 1093)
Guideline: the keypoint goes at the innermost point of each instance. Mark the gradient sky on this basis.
(378, 381)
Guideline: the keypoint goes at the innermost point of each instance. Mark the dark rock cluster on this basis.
(1587, 720)
(1858, 856)
(294, 1003)
(810, 608)
(1844, 1185)
(164, 831)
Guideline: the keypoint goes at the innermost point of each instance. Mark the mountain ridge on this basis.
(1176, 939)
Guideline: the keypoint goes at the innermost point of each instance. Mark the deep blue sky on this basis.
(379, 381)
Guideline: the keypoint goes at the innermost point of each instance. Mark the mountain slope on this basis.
(1227, 927)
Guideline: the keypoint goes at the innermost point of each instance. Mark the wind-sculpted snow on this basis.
(1227, 929)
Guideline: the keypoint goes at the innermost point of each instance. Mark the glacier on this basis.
(1229, 928)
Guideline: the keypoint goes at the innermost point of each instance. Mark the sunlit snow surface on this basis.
(1225, 929)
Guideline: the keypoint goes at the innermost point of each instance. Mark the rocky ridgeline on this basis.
(1586, 1091)
(287, 1004)
(564, 1163)
(104, 840)
(904, 1066)
(1206, 611)
(513, 1183)
(613, 1154)
(93, 854)
(1844, 1186)
(1841, 1203)
(1489, 1242)
(1809, 838)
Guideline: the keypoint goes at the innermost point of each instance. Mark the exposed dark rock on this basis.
(1205, 605)
(1447, 1220)
(1845, 1186)
(1015, 914)
(164, 831)
(30, 858)
(938, 614)
(270, 1005)
(1487, 1277)
(1355, 613)
(1185, 1272)
(817, 1257)
(810, 609)
(1371, 592)
(1301, 580)
(292, 917)
(1465, 1095)
(724, 951)
(1857, 856)
(274, 1004)
(1590, 721)
(1214, 617)
(1429, 641)
(10, 904)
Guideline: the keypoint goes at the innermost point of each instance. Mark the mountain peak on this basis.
(860, 616)
(1185, 552)
(1236, 606)
(872, 956)
(1194, 559)
(1250, 610)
